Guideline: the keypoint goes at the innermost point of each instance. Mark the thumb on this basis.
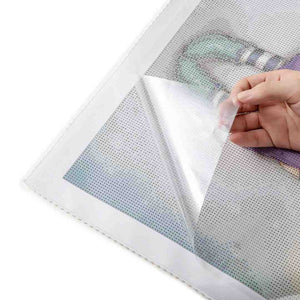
(271, 91)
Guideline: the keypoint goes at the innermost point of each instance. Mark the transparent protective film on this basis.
(191, 124)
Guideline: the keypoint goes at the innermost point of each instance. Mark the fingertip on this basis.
(252, 138)
(240, 139)
(235, 138)
(234, 99)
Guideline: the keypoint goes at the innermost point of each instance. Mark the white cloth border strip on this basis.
(139, 238)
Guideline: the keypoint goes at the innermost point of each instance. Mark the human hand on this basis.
(269, 113)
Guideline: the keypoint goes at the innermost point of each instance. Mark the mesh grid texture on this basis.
(123, 168)
(254, 213)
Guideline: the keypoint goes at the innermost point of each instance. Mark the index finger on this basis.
(252, 81)
(246, 83)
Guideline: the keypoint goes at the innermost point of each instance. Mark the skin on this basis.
(269, 110)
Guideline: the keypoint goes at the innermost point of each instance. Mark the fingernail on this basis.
(244, 96)
(235, 101)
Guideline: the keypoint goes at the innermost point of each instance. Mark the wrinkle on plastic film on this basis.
(191, 123)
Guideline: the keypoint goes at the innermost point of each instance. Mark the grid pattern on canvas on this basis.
(122, 167)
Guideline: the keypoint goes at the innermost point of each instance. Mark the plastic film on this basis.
(192, 123)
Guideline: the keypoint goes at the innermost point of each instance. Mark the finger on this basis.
(244, 108)
(246, 84)
(246, 122)
(252, 81)
(253, 138)
(256, 79)
(270, 91)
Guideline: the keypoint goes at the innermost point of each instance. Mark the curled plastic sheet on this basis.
(192, 126)
(148, 162)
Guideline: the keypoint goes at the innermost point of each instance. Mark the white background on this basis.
(52, 56)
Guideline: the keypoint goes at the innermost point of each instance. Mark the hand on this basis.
(269, 113)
